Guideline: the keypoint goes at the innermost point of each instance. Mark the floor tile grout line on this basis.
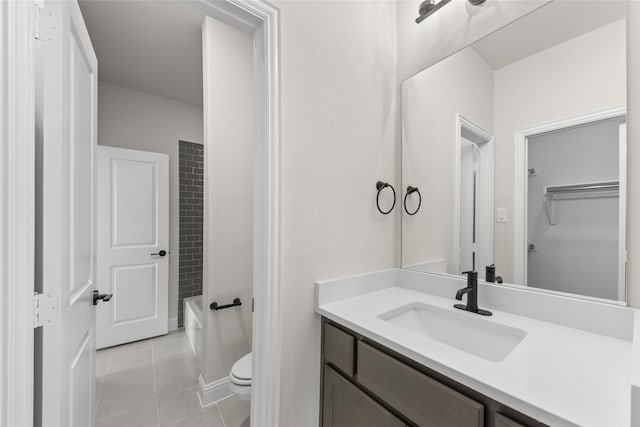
(224, 423)
(137, 366)
(187, 416)
(156, 396)
(122, 411)
(115, 414)
(182, 419)
(177, 390)
(155, 383)
(104, 374)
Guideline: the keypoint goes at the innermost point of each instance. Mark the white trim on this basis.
(263, 19)
(455, 256)
(214, 392)
(172, 324)
(17, 211)
(622, 214)
(485, 195)
(437, 266)
(521, 182)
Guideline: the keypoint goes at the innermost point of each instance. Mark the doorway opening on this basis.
(65, 402)
(175, 218)
(473, 226)
(571, 206)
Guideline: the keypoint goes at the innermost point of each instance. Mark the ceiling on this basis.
(149, 45)
(547, 26)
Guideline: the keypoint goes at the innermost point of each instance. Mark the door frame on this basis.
(484, 235)
(521, 183)
(262, 20)
(17, 208)
(17, 211)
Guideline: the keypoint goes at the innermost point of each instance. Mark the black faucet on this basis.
(472, 295)
(490, 275)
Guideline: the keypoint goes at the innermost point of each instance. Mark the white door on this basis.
(68, 108)
(133, 244)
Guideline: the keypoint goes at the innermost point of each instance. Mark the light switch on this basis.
(501, 215)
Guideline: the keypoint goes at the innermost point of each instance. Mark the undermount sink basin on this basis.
(465, 331)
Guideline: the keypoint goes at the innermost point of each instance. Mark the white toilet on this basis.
(240, 378)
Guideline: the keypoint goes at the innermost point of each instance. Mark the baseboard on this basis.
(213, 392)
(173, 324)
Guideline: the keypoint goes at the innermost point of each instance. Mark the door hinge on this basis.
(46, 24)
(45, 309)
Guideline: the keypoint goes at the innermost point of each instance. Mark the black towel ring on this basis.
(381, 186)
(411, 190)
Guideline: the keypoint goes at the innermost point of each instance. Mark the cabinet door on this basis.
(344, 405)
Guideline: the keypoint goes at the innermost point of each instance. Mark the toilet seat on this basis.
(239, 381)
(241, 371)
(240, 378)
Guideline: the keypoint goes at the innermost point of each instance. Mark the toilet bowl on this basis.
(240, 378)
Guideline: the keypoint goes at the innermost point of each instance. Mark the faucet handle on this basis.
(490, 273)
(472, 278)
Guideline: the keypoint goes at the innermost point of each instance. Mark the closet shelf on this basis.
(574, 191)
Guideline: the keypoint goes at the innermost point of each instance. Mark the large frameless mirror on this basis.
(517, 146)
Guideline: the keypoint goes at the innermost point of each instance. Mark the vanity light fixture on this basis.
(429, 7)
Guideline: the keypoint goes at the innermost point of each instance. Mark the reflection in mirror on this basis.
(518, 146)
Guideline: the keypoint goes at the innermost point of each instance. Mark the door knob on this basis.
(161, 253)
(97, 296)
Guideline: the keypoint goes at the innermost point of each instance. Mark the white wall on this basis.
(228, 200)
(593, 80)
(461, 84)
(129, 118)
(579, 253)
(339, 136)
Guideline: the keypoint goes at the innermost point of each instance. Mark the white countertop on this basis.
(558, 375)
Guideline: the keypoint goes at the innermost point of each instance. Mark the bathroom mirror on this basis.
(516, 145)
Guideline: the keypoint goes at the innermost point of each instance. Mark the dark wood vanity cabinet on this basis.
(366, 384)
(415, 395)
(345, 405)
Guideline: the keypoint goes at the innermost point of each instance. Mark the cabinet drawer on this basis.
(421, 399)
(502, 421)
(344, 405)
(339, 348)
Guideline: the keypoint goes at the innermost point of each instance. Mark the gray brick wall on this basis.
(191, 158)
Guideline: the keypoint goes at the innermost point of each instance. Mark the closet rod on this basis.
(607, 185)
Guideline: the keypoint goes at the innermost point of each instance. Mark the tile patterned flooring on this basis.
(154, 383)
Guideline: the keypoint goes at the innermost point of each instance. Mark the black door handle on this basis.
(161, 253)
(97, 296)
